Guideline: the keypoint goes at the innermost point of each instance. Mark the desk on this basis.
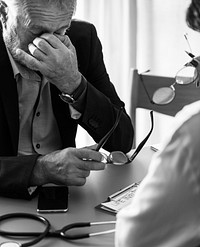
(82, 201)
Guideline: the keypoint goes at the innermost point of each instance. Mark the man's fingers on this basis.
(88, 154)
(94, 166)
(84, 173)
(56, 40)
(32, 49)
(89, 159)
(27, 59)
(42, 45)
(64, 39)
(36, 52)
(92, 147)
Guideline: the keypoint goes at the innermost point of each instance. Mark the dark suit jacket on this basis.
(101, 106)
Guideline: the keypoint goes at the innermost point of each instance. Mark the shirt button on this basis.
(38, 114)
(38, 146)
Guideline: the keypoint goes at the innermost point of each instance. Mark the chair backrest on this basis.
(185, 94)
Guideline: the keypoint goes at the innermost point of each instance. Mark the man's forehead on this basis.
(49, 15)
(43, 12)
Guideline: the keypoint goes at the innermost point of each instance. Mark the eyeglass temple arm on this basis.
(190, 54)
(145, 89)
(188, 43)
(109, 133)
(195, 63)
(140, 146)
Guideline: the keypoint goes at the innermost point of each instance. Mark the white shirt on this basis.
(165, 211)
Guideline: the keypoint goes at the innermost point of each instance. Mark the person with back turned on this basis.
(165, 211)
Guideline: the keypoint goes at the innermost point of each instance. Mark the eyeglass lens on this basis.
(118, 157)
(184, 76)
(164, 95)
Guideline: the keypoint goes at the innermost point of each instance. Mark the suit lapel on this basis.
(8, 94)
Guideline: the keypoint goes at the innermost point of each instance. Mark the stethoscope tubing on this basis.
(39, 218)
(62, 232)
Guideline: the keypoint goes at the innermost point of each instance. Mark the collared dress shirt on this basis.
(165, 211)
(38, 128)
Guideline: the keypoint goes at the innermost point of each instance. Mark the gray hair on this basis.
(59, 3)
(19, 3)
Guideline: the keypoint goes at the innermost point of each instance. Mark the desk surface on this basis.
(82, 201)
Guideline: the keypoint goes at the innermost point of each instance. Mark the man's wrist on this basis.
(74, 97)
(37, 177)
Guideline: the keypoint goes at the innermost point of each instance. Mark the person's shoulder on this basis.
(77, 23)
(81, 28)
(190, 116)
(186, 124)
(189, 113)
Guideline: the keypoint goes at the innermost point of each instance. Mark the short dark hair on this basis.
(193, 15)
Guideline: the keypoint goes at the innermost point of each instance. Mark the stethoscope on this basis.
(38, 236)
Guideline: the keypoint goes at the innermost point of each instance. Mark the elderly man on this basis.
(53, 78)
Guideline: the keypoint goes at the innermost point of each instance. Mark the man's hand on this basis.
(70, 166)
(55, 57)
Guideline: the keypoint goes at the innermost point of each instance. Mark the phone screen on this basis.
(53, 199)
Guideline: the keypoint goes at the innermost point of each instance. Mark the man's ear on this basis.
(3, 12)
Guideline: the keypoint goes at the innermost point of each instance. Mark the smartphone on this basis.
(53, 199)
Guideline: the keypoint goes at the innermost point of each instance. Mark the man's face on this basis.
(29, 20)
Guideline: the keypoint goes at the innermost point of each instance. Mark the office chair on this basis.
(185, 94)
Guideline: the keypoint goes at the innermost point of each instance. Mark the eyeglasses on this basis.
(118, 157)
(185, 76)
